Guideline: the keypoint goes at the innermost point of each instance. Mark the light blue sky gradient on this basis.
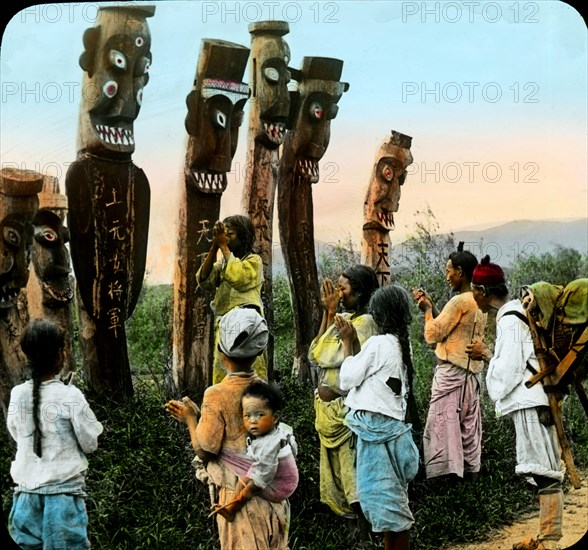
(478, 159)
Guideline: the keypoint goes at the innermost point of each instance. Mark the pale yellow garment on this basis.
(337, 443)
(338, 488)
(236, 282)
(326, 351)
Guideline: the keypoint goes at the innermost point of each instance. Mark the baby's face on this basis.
(258, 418)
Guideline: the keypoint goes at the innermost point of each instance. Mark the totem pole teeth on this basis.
(308, 169)
(115, 136)
(8, 294)
(386, 218)
(62, 296)
(275, 131)
(210, 182)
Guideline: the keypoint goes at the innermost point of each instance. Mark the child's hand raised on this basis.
(219, 235)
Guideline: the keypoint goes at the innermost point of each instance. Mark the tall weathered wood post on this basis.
(50, 289)
(314, 105)
(109, 197)
(18, 204)
(268, 115)
(215, 112)
(382, 200)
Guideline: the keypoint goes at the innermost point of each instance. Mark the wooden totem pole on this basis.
(18, 204)
(50, 287)
(215, 112)
(381, 201)
(314, 105)
(268, 115)
(109, 197)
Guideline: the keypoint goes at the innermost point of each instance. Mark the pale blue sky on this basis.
(500, 135)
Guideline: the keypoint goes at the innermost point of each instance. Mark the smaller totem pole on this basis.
(215, 112)
(268, 115)
(50, 287)
(381, 201)
(109, 197)
(18, 204)
(314, 105)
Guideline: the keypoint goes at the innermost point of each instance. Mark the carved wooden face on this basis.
(50, 258)
(271, 105)
(383, 195)
(15, 246)
(215, 113)
(312, 128)
(116, 62)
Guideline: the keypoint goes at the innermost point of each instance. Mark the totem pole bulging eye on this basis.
(387, 172)
(12, 237)
(49, 235)
(110, 88)
(118, 60)
(316, 110)
(140, 96)
(272, 75)
(46, 235)
(220, 118)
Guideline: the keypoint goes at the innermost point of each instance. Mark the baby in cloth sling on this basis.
(269, 469)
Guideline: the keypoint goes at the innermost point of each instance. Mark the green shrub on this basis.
(149, 331)
(558, 268)
(141, 486)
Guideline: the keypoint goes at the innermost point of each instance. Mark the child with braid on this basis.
(378, 381)
(53, 427)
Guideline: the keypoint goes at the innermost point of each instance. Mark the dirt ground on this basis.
(575, 525)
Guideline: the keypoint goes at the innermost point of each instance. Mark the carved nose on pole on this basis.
(220, 163)
(315, 151)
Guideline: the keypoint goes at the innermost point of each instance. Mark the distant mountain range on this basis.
(504, 243)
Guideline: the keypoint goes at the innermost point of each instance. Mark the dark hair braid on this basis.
(41, 342)
(37, 434)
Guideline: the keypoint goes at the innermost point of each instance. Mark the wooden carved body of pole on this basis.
(268, 115)
(215, 112)
(50, 286)
(18, 204)
(314, 105)
(381, 201)
(109, 197)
